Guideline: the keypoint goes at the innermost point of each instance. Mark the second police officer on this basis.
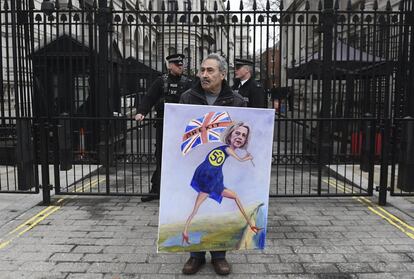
(165, 89)
(246, 85)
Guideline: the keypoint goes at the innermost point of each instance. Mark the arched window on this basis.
(146, 49)
(154, 53)
(188, 58)
(172, 50)
(137, 44)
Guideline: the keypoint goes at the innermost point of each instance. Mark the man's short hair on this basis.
(220, 59)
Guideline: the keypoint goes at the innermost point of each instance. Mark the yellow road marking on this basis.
(378, 210)
(36, 219)
(389, 215)
(409, 234)
(38, 215)
(29, 224)
(90, 186)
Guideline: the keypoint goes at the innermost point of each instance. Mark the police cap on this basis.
(177, 58)
(238, 62)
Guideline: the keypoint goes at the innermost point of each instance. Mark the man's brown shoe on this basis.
(193, 265)
(221, 266)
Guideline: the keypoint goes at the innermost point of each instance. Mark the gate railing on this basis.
(339, 78)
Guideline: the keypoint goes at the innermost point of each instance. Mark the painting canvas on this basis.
(215, 178)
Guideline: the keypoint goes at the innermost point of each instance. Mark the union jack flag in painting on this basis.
(207, 128)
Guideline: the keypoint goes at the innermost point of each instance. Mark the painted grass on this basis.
(223, 232)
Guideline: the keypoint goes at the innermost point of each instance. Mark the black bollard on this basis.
(25, 155)
(65, 142)
(406, 156)
(367, 144)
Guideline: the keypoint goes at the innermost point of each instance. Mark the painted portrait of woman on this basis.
(216, 196)
(208, 177)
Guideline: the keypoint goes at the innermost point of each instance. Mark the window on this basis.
(187, 3)
(171, 5)
(81, 92)
(172, 17)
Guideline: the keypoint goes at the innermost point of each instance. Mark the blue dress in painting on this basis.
(208, 177)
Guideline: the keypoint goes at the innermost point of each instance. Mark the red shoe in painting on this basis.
(255, 229)
(185, 239)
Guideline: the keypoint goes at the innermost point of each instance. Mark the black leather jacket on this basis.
(196, 96)
(165, 89)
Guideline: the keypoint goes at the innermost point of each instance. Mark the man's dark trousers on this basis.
(156, 176)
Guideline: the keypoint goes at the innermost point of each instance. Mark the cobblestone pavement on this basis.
(115, 237)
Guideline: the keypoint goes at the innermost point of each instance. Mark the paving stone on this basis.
(278, 249)
(354, 267)
(285, 268)
(308, 249)
(32, 275)
(401, 248)
(376, 241)
(329, 258)
(143, 268)
(236, 257)
(158, 276)
(65, 257)
(276, 235)
(85, 276)
(263, 258)
(303, 276)
(100, 267)
(26, 256)
(332, 229)
(120, 249)
(334, 249)
(308, 228)
(88, 249)
(170, 268)
(82, 241)
(103, 234)
(320, 268)
(369, 249)
(250, 268)
(133, 258)
(72, 267)
(111, 241)
(10, 265)
(376, 276)
(98, 257)
(402, 240)
(254, 276)
(409, 266)
(165, 258)
(296, 258)
(401, 275)
(37, 266)
(389, 267)
(300, 235)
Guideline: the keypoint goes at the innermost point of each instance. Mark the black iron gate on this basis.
(338, 76)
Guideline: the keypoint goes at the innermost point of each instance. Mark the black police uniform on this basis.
(165, 89)
(252, 92)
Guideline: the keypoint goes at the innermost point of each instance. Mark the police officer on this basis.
(246, 86)
(165, 89)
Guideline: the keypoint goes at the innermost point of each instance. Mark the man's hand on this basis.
(139, 117)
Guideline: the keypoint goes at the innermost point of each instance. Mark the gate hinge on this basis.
(48, 187)
(377, 188)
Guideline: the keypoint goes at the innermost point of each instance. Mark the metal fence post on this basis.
(44, 159)
(327, 20)
(104, 22)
